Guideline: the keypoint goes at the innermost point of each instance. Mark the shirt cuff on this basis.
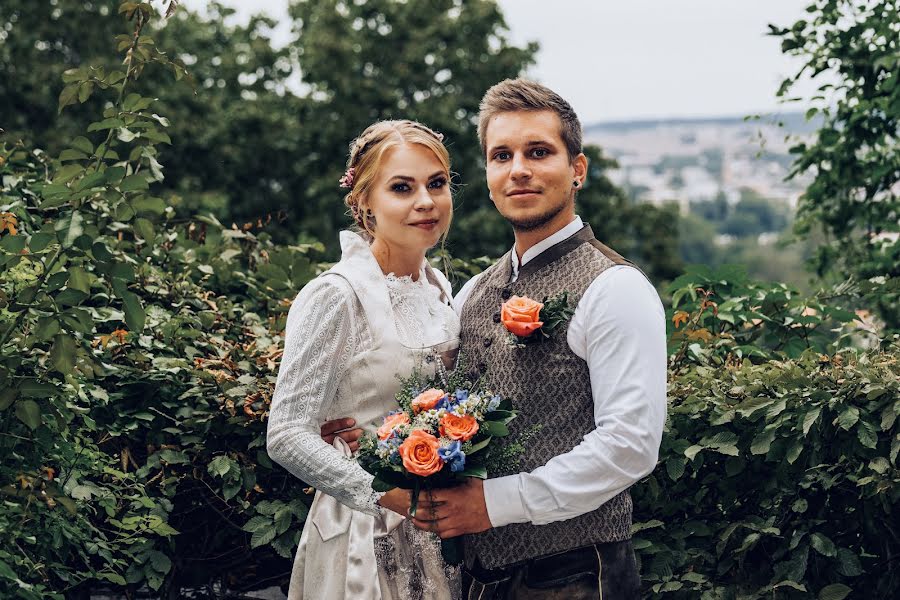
(503, 501)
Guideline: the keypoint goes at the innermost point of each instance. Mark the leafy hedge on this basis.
(138, 354)
(777, 479)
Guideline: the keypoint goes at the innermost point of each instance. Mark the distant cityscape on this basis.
(693, 160)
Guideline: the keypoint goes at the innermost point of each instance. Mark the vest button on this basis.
(496, 317)
(487, 342)
(505, 293)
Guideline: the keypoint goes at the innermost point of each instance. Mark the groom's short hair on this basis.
(521, 94)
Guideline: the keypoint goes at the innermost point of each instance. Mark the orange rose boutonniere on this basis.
(523, 317)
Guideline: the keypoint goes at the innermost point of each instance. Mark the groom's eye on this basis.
(502, 156)
(540, 152)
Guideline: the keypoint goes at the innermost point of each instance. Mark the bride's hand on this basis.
(396, 500)
(341, 428)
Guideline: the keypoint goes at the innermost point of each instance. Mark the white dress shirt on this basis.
(619, 329)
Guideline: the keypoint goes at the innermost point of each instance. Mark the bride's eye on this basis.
(437, 183)
(400, 188)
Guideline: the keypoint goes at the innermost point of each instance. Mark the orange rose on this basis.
(521, 316)
(427, 400)
(458, 428)
(420, 453)
(391, 422)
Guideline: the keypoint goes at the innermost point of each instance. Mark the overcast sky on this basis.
(620, 60)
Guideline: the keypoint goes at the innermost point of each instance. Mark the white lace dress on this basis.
(351, 333)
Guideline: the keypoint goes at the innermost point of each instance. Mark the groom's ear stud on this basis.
(575, 183)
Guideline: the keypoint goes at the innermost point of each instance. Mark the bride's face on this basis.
(410, 199)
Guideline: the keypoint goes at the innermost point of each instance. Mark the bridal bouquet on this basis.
(440, 435)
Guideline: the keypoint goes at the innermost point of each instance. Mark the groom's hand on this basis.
(342, 428)
(454, 511)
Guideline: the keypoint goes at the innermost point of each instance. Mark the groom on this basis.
(561, 527)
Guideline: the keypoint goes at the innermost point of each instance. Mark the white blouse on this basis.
(326, 328)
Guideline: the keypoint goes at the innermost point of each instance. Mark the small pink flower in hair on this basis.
(347, 180)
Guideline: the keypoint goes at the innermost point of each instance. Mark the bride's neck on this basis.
(399, 261)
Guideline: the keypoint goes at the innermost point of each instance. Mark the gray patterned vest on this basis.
(549, 385)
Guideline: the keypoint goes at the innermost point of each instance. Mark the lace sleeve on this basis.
(319, 342)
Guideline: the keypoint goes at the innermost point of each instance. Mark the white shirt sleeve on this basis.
(619, 329)
(463, 294)
(320, 339)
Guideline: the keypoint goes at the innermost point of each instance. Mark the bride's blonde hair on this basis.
(367, 155)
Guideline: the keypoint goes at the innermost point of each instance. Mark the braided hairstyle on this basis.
(366, 156)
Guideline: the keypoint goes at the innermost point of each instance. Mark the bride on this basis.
(351, 334)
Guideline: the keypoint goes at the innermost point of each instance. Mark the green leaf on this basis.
(29, 413)
(675, 467)
(867, 434)
(84, 91)
(40, 241)
(848, 563)
(495, 428)
(69, 228)
(67, 96)
(479, 472)
(693, 451)
(762, 442)
(7, 572)
(144, 229)
(134, 183)
(134, 311)
(7, 397)
(83, 144)
(147, 204)
(160, 562)
(848, 417)
(62, 355)
(256, 523)
(79, 280)
(32, 388)
(69, 154)
(810, 418)
(379, 485)
(263, 536)
(823, 545)
(835, 591)
(220, 466)
(112, 123)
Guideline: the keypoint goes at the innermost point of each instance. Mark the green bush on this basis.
(777, 480)
(137, 358)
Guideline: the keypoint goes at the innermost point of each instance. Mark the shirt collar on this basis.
(566, 232)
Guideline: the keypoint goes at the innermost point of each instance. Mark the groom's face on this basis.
(529, 172)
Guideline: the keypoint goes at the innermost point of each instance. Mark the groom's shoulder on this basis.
(466, 290)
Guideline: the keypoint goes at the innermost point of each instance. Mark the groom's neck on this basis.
(527, 238)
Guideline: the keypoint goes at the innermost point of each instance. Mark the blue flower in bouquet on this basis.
(493, 403)
(454, 456)
(461, 395)
(388, 447)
